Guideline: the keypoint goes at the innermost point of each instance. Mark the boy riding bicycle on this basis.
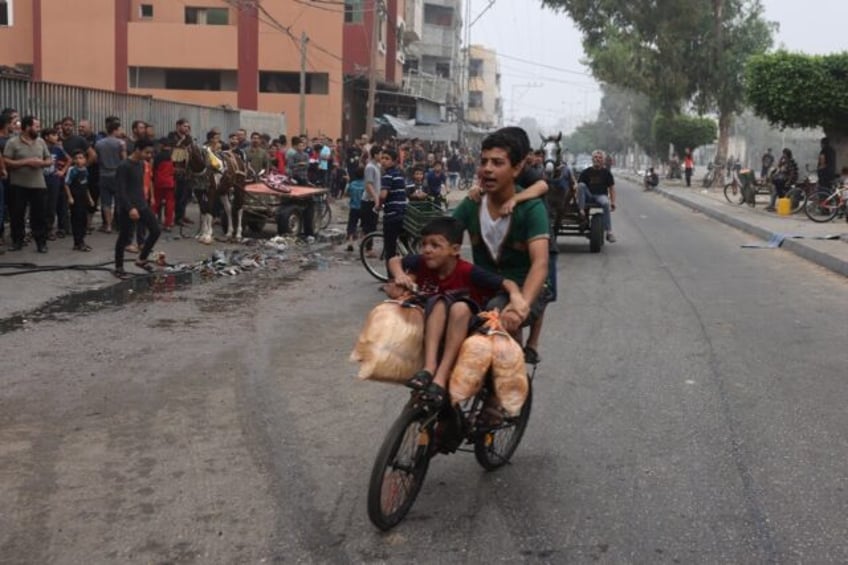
(454, 290)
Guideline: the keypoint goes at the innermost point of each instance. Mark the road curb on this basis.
(794, 246)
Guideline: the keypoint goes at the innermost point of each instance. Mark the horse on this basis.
(557, 198)
(218, 176)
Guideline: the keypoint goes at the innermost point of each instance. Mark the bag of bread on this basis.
(509, 373)
(390, 347)
(472, 364)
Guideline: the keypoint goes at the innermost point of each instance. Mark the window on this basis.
(183, 79)
(145, 11)
(353, 11)
(443, 70)
(475, 99)
(207, 16)
(289, 83)
(5, 13)
(438, 15)
(475, 68)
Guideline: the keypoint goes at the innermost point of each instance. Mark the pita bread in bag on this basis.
(469, 371)
(509, 373)
(390, 347)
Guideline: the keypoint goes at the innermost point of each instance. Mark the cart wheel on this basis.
(292, 220)
(596, 233)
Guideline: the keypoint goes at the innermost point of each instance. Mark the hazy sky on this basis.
(554, 85)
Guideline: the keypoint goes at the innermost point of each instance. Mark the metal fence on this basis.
(51, 102)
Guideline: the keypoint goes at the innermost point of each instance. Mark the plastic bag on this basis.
(390, 347)
(509, 373)
(472, 364)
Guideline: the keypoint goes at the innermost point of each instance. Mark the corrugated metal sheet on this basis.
(51, 102)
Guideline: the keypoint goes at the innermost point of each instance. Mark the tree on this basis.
(674, 51)
(796, 90)
(683, 131)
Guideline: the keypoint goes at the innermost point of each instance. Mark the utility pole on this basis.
(303, 41)
(376, 21)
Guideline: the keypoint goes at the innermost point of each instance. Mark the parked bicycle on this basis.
(420, 433)
(825, 205)
(371, 248)
(801, 191)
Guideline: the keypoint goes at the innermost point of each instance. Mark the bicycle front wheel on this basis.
(797, 199)
(399, 470)
(733, 194)
(822, 206)
(494, 448)
(373, 257)
(326, 216)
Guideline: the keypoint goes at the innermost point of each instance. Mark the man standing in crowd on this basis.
(5, 135)
(257, 156)
(138, 131)
(26, 157)
(767, 163)
(827, 164)
(179, 155)
(132, 207)
(373, 181)
(110, 152)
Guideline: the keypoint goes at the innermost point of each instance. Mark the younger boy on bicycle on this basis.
(453, 289)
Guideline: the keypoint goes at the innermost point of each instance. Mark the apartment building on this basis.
(238, 53)
(432, 68)
(485, 105)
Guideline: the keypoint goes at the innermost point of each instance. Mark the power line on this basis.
(544, 66)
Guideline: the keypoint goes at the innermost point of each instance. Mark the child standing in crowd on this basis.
(164, 184)
(355, 190)
(393, 201)
(415, 190)
(79, 199)
(53, 176)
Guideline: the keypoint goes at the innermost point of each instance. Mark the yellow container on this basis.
(784, 206)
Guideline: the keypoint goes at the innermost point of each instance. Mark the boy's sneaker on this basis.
(611, 237)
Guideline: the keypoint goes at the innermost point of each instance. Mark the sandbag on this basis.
(509, 373)
(390, 347)
(472, 364)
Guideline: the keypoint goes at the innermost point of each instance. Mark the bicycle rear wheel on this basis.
(797, 198)
(494, 448)
(373, 257)
(733, 194)
(822, 206)
(399, 470)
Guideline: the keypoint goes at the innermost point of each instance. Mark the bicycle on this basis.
(420, 433)
(801, 191)
(323, 212)
(825, 205)
(371, 248)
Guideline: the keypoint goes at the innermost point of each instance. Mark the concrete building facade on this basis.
(485, 104)
(213, 52)
(432, 67)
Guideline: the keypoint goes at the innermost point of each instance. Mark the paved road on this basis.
(689, 409)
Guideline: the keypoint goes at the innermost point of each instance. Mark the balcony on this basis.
(431, 87)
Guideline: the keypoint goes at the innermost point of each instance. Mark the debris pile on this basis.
(271, 254)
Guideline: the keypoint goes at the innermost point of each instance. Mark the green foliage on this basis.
(683, 131)
(796, 90)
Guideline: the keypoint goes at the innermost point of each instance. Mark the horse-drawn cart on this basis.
(296, 210)
(566, 219)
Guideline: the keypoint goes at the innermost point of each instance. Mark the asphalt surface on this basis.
(689, 408)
